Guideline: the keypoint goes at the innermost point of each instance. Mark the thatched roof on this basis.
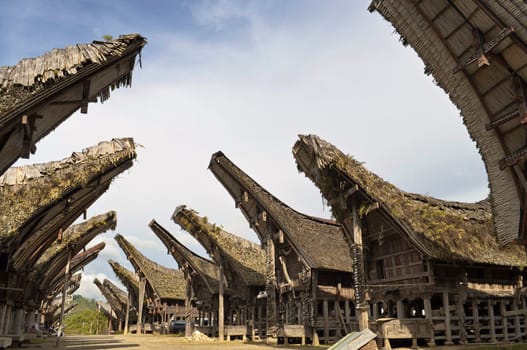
(38, 94)
(166, 283)
(119, 294)
(75, 239)
(128, 278)
(106, 309)
(453, 38)
(245, 257)
(447, 231)
(110, 297)
(205, 269)
(73, 284)
(38, 201)
(311, 237)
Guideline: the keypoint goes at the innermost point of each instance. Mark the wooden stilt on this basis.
(428, 316)
(475, 316)
(448, 325)
(492, 321)
(325, 315)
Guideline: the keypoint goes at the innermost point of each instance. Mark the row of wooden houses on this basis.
(41, 252)
(404, 265)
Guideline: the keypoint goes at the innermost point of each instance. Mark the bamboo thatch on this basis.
(74, 238)
(447, 231)
(106, 309)
(166, 283)
(311, 237)
(32, 75)
(27, 192)
(488, 91)
(119, 294)
(245, 257)
(203, 268)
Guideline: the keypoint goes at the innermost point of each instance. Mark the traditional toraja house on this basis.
(131, 282)
(477, 52)
(117, 302)
(55, 258)
(308, 262)
(38, 202)
(163, 288)
(38, 94)
(242, 264)
(201, 282)
(434, 264)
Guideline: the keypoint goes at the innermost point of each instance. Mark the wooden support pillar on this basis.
(30, 321)
(428, 316)
(3, 314)
(517, 325)
(188, 305)
(354, 228)
(18, 320)
(492, 321)
(260, 323)
(127, 314)
(448, 325)
(270, 288)
(221, 312)
(476, 324)
(347, 312)
(400, 309)
(460, 311)
(253, 322)
(325, 315)
(142, 286)
(7, 323)
(375, 311)
(504, 321)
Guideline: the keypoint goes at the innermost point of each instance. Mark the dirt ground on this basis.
(147, 342)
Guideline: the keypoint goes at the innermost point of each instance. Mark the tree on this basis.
(85, 318)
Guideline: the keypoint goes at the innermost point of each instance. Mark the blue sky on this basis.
(246, 77)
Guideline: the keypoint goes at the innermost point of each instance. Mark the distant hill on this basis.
(85, 318)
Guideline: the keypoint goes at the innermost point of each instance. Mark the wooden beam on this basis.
(513, 158)
(483, 48)
(85, 96)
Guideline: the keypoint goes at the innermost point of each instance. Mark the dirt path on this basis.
(147, 342)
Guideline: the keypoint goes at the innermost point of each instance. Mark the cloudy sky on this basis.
(246, 77)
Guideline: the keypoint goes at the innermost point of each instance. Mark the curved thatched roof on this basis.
(119, 294)
(205, 269)
(448, 231)
(73, 284)
(311, 237)
(477, 52)
(38, 201)
(245, 257)
(110, 298)
(128, 278)
(38, 94)
(166, 283)
(75, 238)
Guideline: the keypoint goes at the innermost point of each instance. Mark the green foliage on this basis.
(85, 318)
(107, 37)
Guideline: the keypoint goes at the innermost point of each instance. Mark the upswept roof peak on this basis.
(166, 283)
(206, 269)
(443, 230)
(246, 257)
(311, 237)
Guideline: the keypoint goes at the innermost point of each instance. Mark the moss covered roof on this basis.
(246, 257)
(443, 230)
(312, 237)
(127, 277)
(30, 76)
(28, 191)
(75, 237)
(117, 292)
(167, 283)
(205, 269)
